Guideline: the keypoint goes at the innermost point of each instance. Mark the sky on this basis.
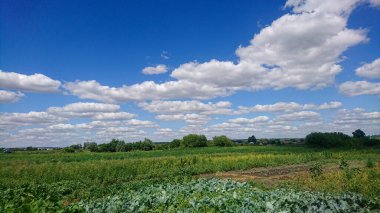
(77, 71)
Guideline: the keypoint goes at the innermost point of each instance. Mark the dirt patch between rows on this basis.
(273, 175)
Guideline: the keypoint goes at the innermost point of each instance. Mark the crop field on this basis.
(209, 179)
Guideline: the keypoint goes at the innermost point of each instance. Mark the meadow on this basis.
(50, 181)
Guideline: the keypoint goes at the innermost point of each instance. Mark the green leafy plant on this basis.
(316, 170)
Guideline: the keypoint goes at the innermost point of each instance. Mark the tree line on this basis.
(339, 139)
(116, 145)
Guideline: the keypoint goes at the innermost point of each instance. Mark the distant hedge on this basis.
(338, 139)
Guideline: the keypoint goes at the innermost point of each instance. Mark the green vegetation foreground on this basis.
(58, 178)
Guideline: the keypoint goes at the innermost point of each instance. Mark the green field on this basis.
(54, 180)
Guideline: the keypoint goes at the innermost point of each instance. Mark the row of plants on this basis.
(194, 196)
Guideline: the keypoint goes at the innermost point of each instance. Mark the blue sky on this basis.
(73, 71)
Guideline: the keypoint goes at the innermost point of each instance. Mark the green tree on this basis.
(120, 146)
(222, 141)
(175, 143)
(194, 140)
(252, 139)
(358, 134)
(327, 139)
(92, 146)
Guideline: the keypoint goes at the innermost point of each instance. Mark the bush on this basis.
(222, 141)
(193, 140)
(69, 149)
(252, 139)
(175, 143)
(316, 170)
(328, 139)
(343, 165)
(92, 146)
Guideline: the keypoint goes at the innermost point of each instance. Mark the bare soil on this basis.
(271, 176)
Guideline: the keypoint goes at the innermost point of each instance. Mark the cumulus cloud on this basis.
(9, 96)
(369, 70)
(302, 115)
(287, 53)
(186, 106)
(301, 49)
(148, 90)
(259, 119)
(30, 83)
(288, 107)
(189, 118)
(97, 111)
(357, 116)
(13, 120)
(159, 69)
(83, 107)
(351, 88)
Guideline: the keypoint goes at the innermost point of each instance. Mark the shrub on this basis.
(316, 170)
(370, 163)
(252, 139)
(343, 165)
(222, 141)
(175, 143)
(327, 140)
(69, 149)
(193, 140)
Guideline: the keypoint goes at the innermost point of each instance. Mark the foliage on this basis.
(222, 141)
(69, 149)
(343, 165)
(327, 140)
(55, 178)
(224, 196)
(30, 148)
(92, 146)
(252, 139)
(365, 181)
(175, 143)
(194, 140)
(358, 133)
(370, 163)
(316, 170)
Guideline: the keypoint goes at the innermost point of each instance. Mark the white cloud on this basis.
(84, 107)
(359, 88)
(301, 49)
(375, 3)
(159, 69)
(114, 116)
(259, 119)
(330, 105)
(189, 118)
(371, 70)
(186, 107)
(288, 107)
(297, 116)
(357, 116)
(9, 96)
(13, 120)
(31, 83)
(165, 54)
(97, 111)
(148, 90)
(337, 7)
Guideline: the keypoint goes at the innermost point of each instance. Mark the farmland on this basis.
(54, 180)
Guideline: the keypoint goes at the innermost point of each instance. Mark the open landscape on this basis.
(210, 178)
(188, 106)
